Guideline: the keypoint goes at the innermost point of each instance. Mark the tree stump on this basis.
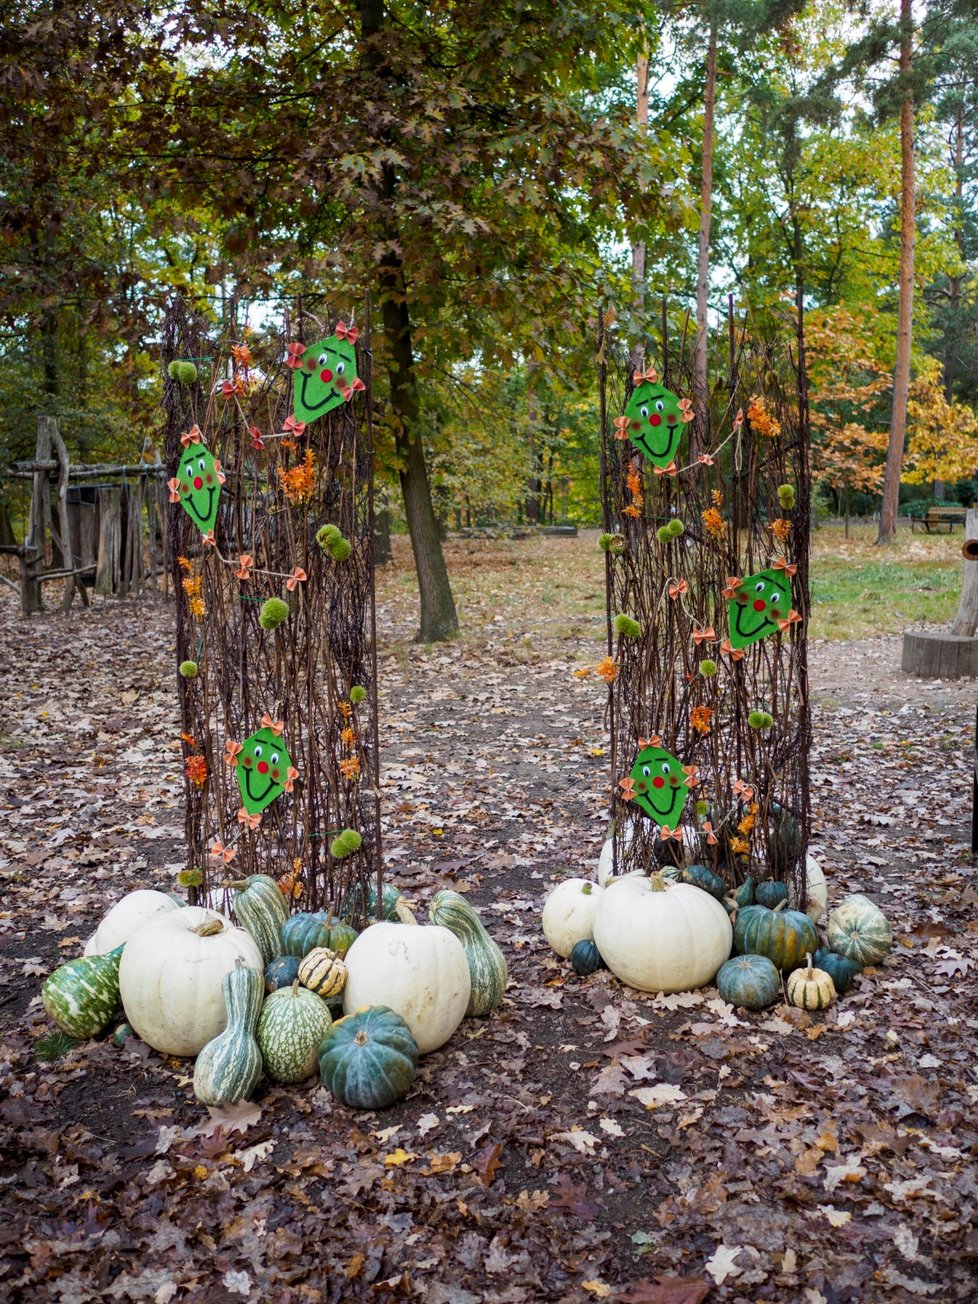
(940, 655)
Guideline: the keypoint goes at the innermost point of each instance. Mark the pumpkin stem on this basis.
(808, 957)
(586, 890)
(295, 986)
(209, 928)
(656, 882)
(238, 886)
(404, 912)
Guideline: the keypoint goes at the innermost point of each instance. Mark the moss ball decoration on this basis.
(341, 549)
(345, 844)
(786, 495)
(273, 612)
(188, 669)
(627, 627)
(327, 535)
(708, 668)
(760, 720)
(357, 694)
(183, 372)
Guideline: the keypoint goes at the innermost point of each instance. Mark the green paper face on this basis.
(199, 486)
(660, 785)
(263, 770)
(759, 603)
(327, 369)
(655, 422)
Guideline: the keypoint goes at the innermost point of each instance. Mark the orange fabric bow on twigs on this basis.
(344, 332)
(276, 726)
(665, 833)
(349, 390)
(789, 568)
(294, 360)
(627, 788)
(252, 821)
(650, 374)
(621, 427)
(298, 576)
(654, 741)
(711, 837)
(677, 588)
(671, 469)
(734, 653)
(191, 436)
(231, 749)
(220, 852)
(707, 635)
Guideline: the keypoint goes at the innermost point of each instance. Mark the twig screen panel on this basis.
(707, 581)
(271, 556)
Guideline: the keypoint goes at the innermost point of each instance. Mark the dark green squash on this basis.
(770, 893)
(304, 931)
(784, 936)
(360, 908)
(585, 957)
(744, 895)
(281, 972)
(704, 878)
(341, 938)
(749, 981)
(369, 1059)
(262, 910)
(841, 970)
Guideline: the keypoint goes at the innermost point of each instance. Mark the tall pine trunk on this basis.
(908, 225)
(637, 355)
(439, 619)
(701, 389)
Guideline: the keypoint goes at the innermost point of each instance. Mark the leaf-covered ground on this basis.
(587, 1142)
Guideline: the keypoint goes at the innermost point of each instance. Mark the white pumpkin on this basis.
(419, 971)
(818, 892)
(129, 913)
(661, 936)
(172, 973)
(568, 914)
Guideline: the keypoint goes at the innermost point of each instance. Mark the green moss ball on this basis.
(272, 613)
(345, 844)
(184, 373)
(708, 668)
(188, 669)
(786, 495)
(627, 627)
(327, 535)
(340, 549)
(357, 694)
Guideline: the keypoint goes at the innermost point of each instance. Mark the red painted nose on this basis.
(658, 782)
(198, 483)
(759, 604)
(655, 419)
(262, 767)
(325, 375)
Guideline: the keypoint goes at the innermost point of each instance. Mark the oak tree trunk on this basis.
(901, 374)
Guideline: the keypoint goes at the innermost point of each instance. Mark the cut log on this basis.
(966, 621)
(940, 655)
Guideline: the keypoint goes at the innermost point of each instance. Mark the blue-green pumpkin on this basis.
(841, 970)
(360, 908)
(303, 932)
(704, 878)
(585, 957)
(784, 936)
(770, 893)
(369, 1059)
(749, 981)
(281, 972)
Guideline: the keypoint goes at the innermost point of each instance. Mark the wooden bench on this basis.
(939, 519)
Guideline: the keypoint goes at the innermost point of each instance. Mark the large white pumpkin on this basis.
(568, 914)
(129, 913)
(661, 936)
(171, 977)
(818, 892)
(419, 971)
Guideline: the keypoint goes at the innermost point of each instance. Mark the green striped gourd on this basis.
(487, 964)
(783, 936)
(369, 1059)
(323, 972)
(700, 876)
(261, 909)
(292, 1024)
(229, 1066)
(83, 995)
(859, 930)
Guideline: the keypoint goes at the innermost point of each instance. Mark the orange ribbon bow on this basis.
(296, 427)
(252, 821)
(734, 653)
(692, 773)
(789, 568)
(221, 477)
(231, 749)
(711, 837)
(665, 833)
(349, 390)
(256, 440)
(621, 427)
(677, 587)
(686, 409)
(654, 741)
(707, 635)
(733, 584)
(792, 618)
(191, 436)
(743, 790)
(220, 852)
(738, 420)
(246, 565)
(671, 469)
(294, 360)
(298, 576)
(276, 726)
(705, 459)
(344, 332)
(208, 539)
(291, 775)
(650, 374)
(627, 789)
(174, 488)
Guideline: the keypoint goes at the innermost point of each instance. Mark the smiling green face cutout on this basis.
(759, 603)
(656, 419)
(263, 770)
(659, 785)
(325, 378)
(198, 485)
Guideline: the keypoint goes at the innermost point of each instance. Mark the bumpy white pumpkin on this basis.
(419, 972)
(129, 913)
(171, 977)
(568, 914)
(818, 892)
(661, 936)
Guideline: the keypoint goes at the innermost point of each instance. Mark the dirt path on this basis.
(586, 1140)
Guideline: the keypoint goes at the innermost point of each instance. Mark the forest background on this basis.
(491, 174)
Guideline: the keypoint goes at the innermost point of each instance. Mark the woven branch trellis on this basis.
(743, 500)
(311, 679)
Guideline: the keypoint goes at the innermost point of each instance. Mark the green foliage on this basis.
(708, 668)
